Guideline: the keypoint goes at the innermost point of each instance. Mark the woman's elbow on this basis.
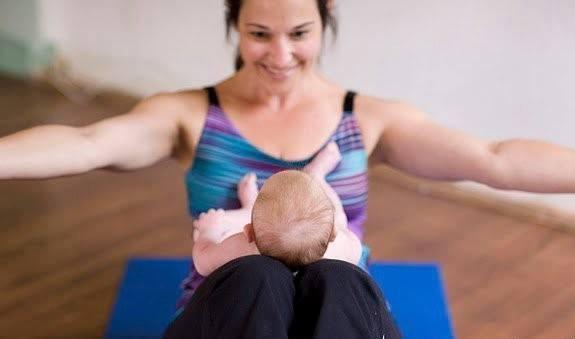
(494, 171)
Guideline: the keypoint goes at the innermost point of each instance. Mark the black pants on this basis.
(257, 297)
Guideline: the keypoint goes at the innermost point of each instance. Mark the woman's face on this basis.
(279, 40)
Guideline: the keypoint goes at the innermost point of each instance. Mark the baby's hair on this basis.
(293, 219)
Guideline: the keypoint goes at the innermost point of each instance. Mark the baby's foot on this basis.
(217, 225)
(325, 161)
(248, 190)
(209, 219)
(208, 226)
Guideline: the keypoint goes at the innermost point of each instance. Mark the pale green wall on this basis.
(23, 49)
(20, 18)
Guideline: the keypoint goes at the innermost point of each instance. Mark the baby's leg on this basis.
(217, 225)
(323, 163)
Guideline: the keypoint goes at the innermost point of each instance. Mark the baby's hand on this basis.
(346, 247)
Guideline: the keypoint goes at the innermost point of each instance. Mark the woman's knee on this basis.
(336, 268)
(256, 268)
(329, 273)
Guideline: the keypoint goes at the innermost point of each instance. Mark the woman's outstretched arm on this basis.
(413, 143)
(143, 136)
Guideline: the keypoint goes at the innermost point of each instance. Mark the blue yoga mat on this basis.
(150, 288)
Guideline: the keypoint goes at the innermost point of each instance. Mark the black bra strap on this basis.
(212, 96)
(348, 103)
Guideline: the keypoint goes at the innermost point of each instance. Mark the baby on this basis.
(296, 218)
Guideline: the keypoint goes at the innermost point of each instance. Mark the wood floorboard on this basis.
(64, 242)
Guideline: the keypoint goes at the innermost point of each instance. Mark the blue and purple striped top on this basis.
(223, 156)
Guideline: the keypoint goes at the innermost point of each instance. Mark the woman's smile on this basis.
(279, 74)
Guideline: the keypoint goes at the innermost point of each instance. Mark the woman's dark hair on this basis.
(233, 8)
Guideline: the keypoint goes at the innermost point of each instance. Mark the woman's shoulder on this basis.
(382, 113)
(375, 115)
(188, 109)
(382, 109)
(187, 101)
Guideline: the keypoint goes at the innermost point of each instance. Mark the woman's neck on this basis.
(247, 86)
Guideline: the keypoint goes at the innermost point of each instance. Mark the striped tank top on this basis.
(223, 156)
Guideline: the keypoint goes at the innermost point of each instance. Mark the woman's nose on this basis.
(281, 53)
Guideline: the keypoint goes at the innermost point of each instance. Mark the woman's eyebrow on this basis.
(295, 28)
(304, 25)
(257, 25)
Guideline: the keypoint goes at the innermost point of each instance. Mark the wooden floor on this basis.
(63, 242)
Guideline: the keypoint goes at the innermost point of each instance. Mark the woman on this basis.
(275, 113)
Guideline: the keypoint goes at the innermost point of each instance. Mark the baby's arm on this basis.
(346, 247)
(209, 255)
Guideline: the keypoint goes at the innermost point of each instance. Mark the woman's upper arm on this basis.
(145, 135)
(411, 142)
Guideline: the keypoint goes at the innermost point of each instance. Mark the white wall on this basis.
(142, 46)
(493, 68)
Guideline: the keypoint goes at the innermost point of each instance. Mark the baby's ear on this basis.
(333, 234)
(249, 232)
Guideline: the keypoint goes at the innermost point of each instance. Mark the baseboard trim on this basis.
(533, 212)
(24, 58)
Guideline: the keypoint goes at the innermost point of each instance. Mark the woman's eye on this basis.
(299, 34)
(259, 35)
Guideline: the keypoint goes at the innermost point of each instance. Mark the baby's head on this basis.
(293, 219)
